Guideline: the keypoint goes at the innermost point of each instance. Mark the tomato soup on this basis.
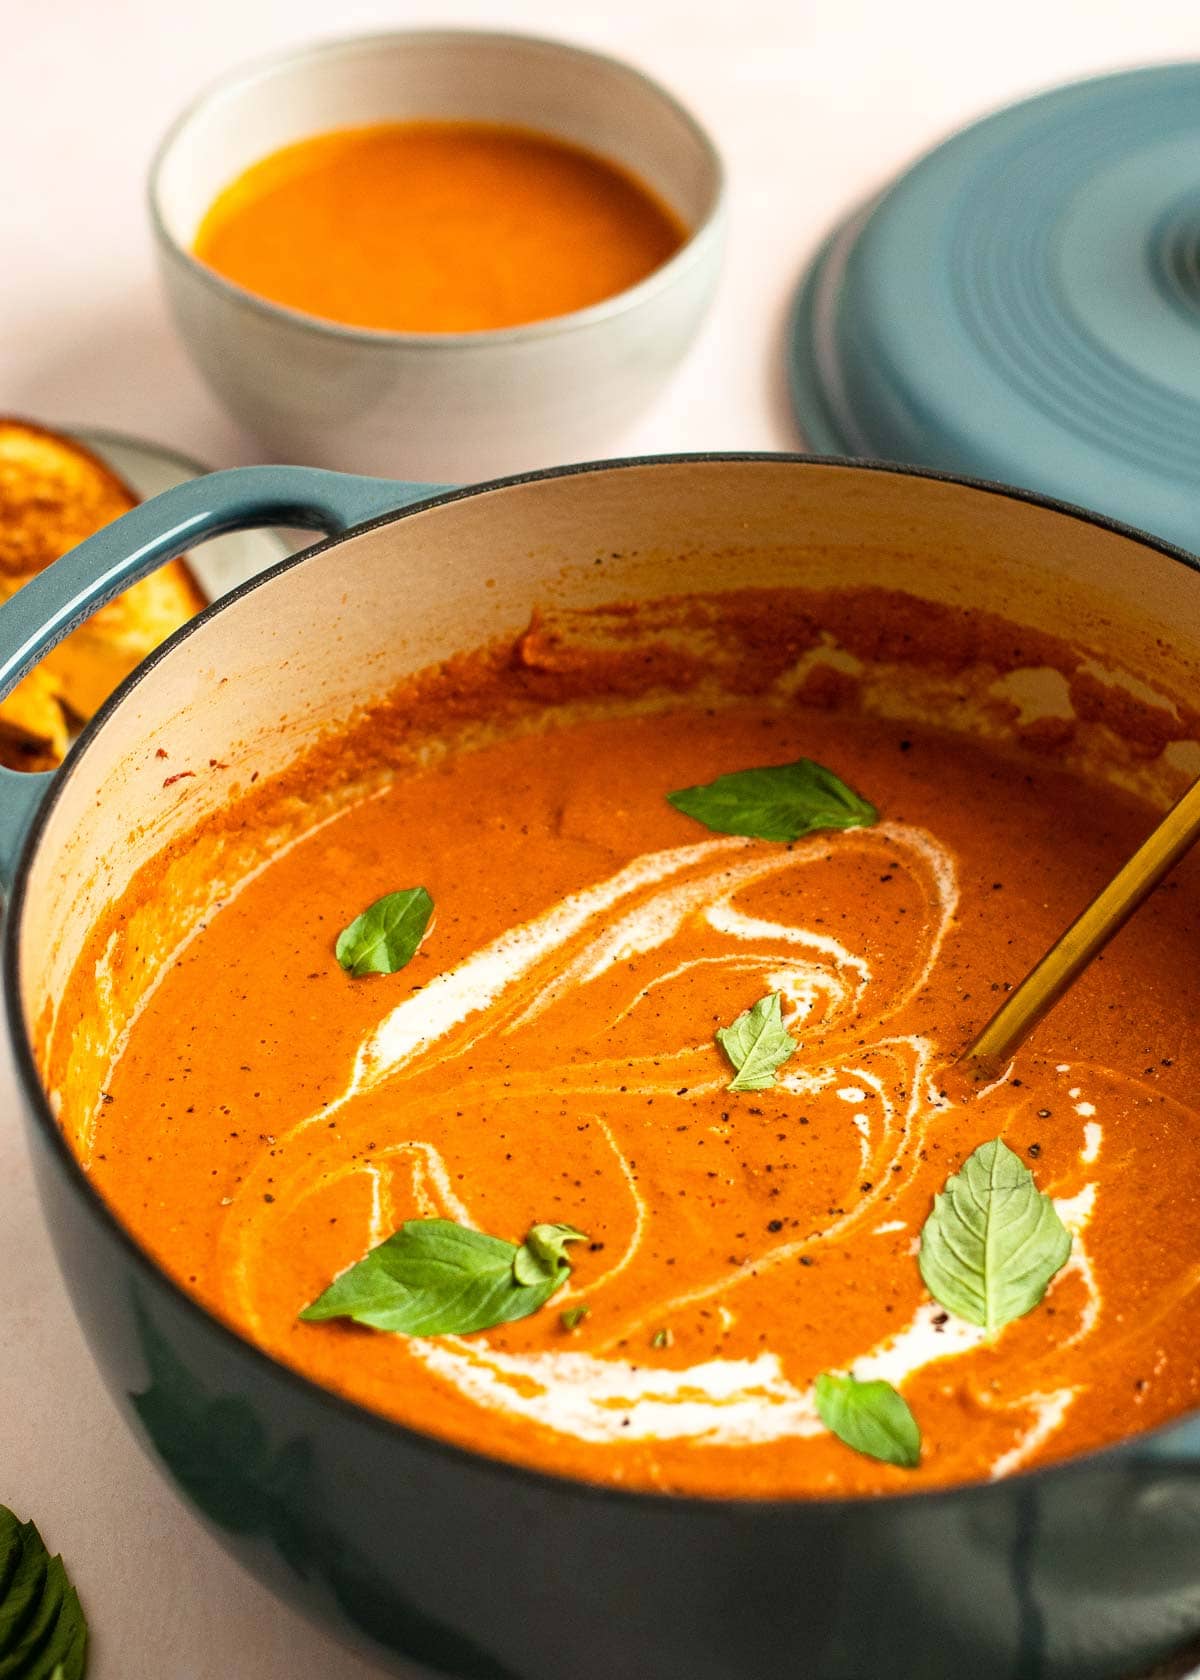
(717, 1059)
(437, 227)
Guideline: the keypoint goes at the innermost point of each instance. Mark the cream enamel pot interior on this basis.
(477, 1569)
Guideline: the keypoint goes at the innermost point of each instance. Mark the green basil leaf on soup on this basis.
(872, 1417)
(993, 1241)
(779, 802)
(433, 1277)
(387, 934)
(756, 1044)
(542, 1257)
(42, 1627)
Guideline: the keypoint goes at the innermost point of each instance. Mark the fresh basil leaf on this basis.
(43, 1633)
(871, 1417)
(572, 1317)
(542, 1256)
(779, 802)
(756, 1044)
(993, 1241)
(387, 934)
(435, 1278)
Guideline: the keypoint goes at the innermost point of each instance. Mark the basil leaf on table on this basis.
(872, 1417)
(779, 802)
(993, 1241)
(43, 1633)
(435, 1278)
(387, 933)
(756, 1044)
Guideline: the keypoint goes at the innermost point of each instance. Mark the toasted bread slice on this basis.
(53, 494)
(33, 724)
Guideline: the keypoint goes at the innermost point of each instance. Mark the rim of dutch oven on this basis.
(551, 326)
(483, 1462)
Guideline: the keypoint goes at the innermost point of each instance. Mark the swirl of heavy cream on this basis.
(517, 980)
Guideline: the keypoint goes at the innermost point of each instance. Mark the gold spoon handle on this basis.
(1042, 987)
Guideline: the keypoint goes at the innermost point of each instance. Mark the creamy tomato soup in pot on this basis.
(487, 995)
(574, 1081)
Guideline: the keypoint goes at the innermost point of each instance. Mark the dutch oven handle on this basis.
(50, 605)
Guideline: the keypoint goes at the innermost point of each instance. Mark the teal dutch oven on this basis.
(477, 1569)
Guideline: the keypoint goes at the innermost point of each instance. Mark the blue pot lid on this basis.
(1024, 305)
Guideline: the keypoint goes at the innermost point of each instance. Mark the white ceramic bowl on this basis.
(437, 406)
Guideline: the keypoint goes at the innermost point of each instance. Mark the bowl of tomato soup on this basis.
(445, 254)
(484, 995)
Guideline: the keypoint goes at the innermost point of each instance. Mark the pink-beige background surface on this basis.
(814, 104)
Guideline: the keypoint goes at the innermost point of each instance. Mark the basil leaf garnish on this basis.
(435, 1278)
(542, 1256)
(780, 802)
(993, 1241)
(42, 1629)
(387, 934)
(756, 1044)
(871, 1417)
